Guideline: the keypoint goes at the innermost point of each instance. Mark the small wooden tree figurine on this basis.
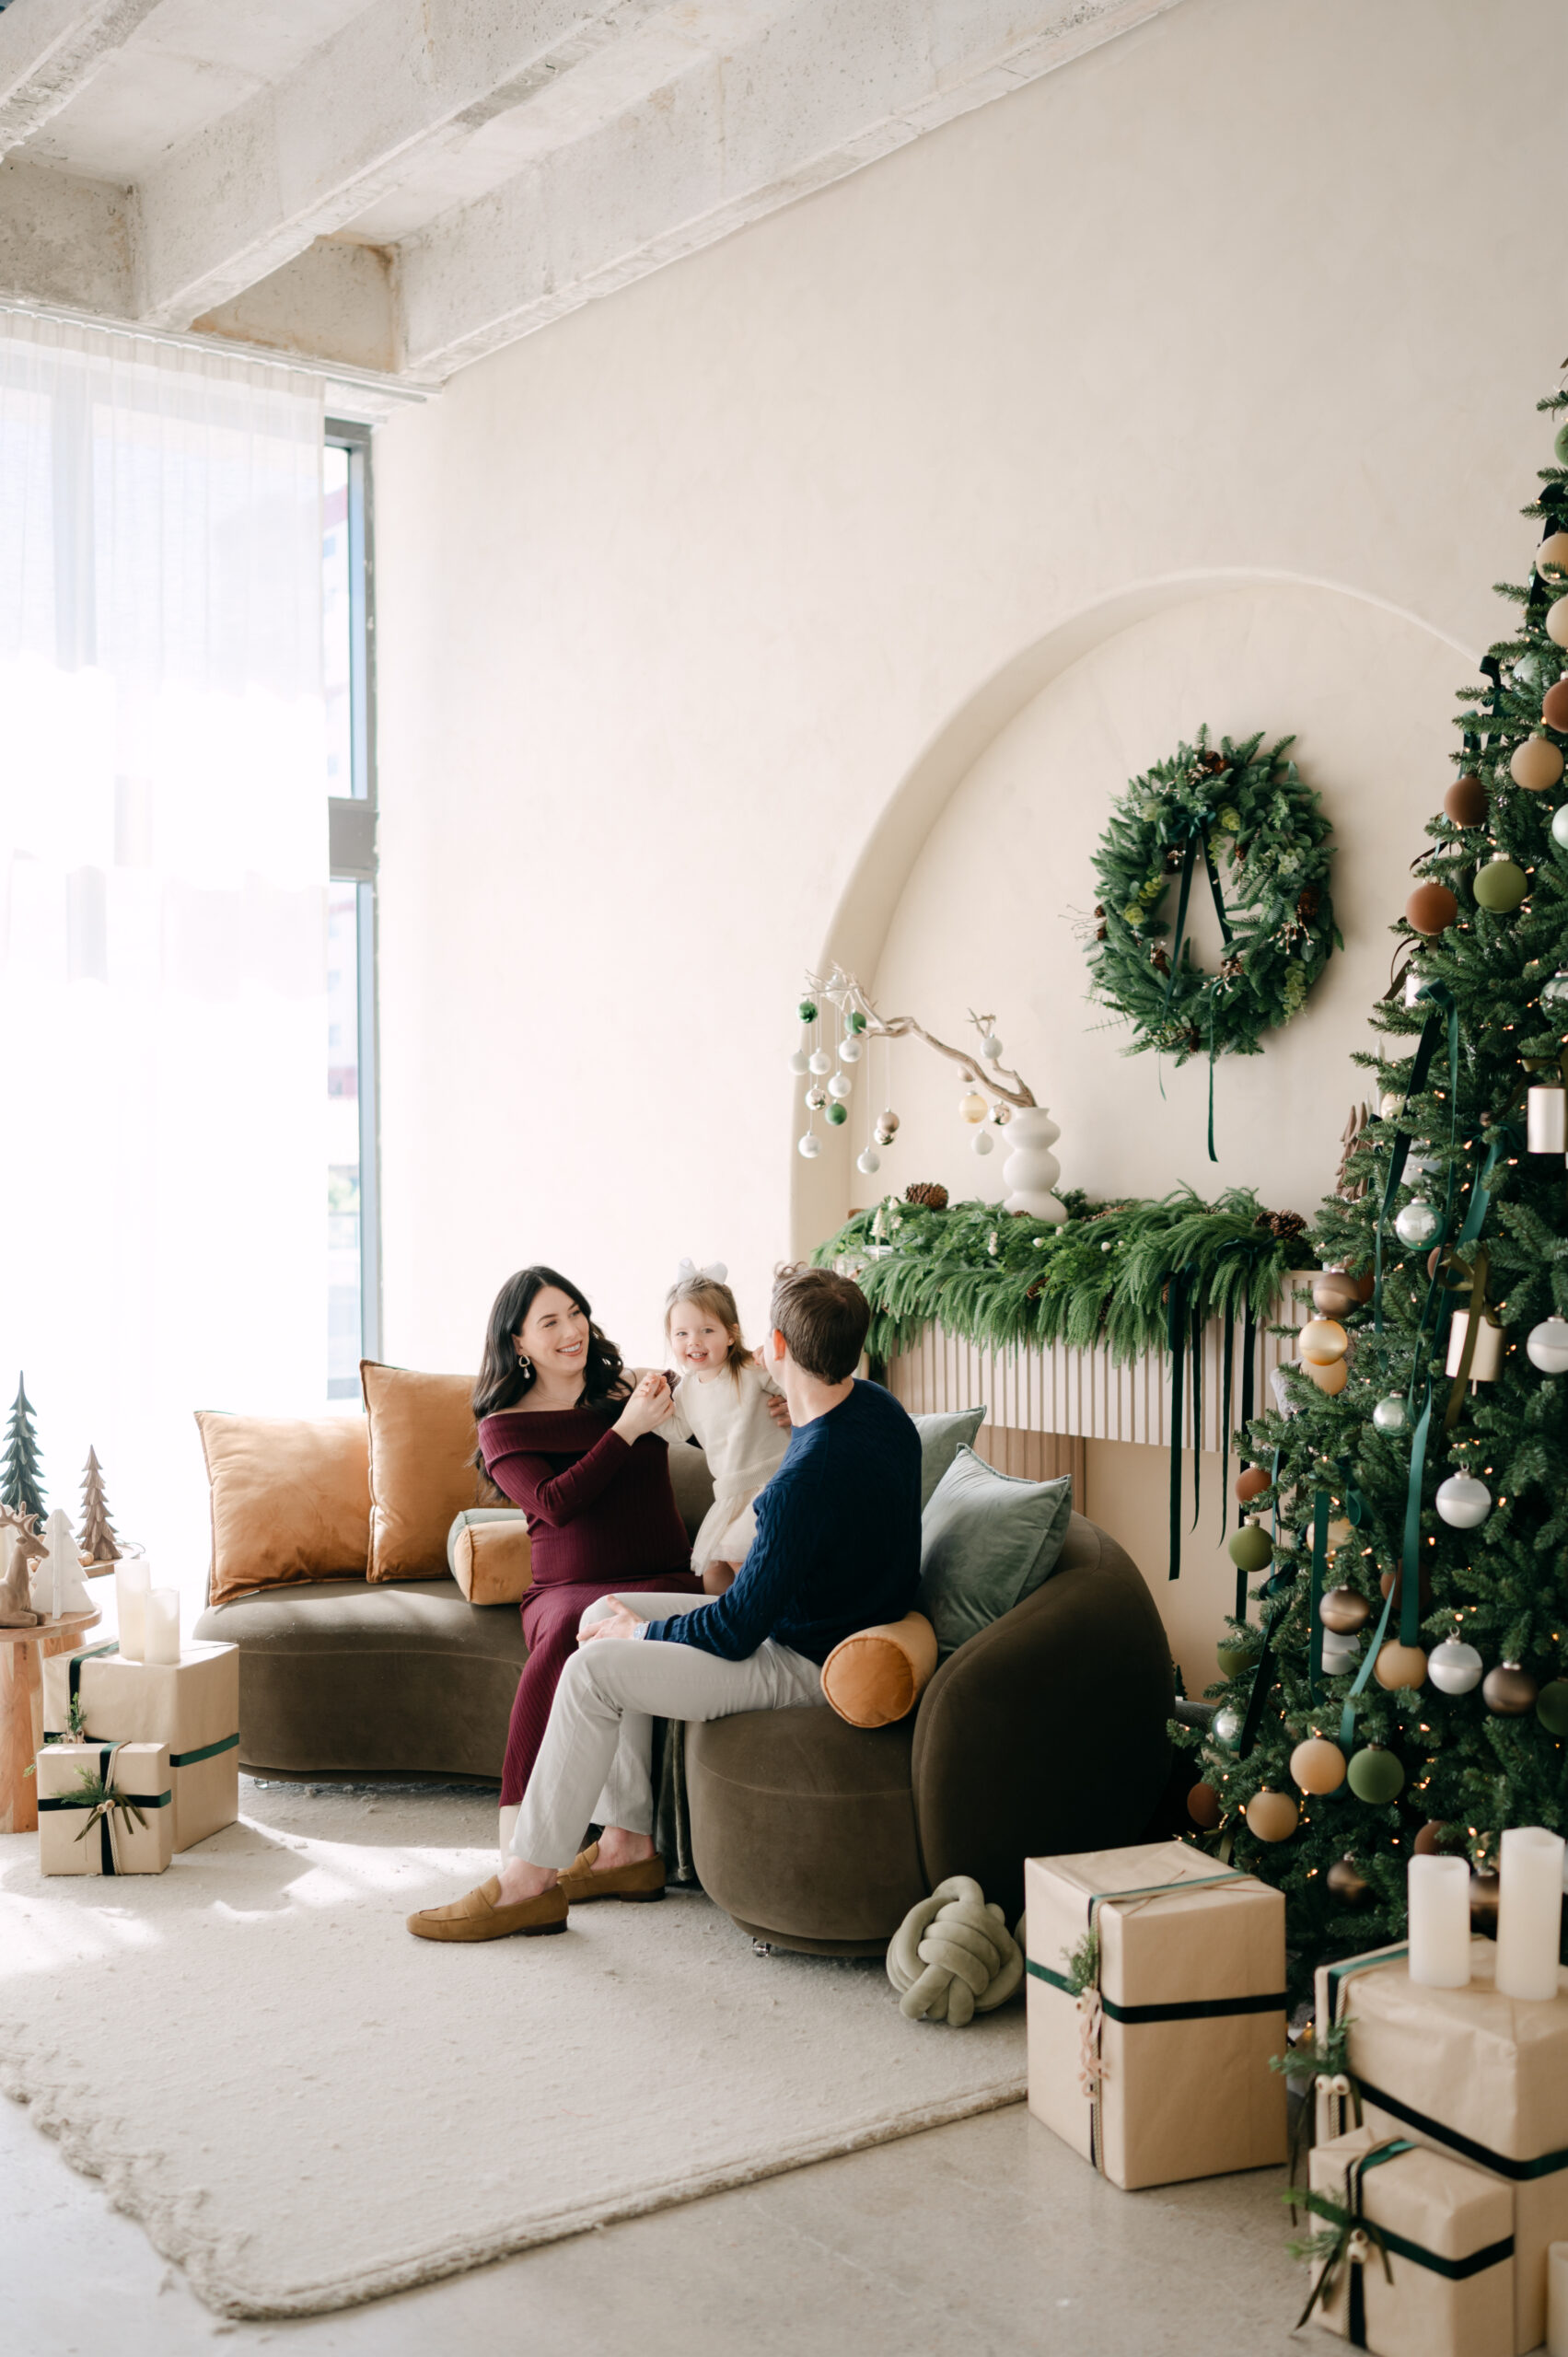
(97, 1537)
(21, 1486)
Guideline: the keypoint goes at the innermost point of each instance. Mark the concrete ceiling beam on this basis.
(51, 49)
(64, 241)
(820, 92)
(397, 83)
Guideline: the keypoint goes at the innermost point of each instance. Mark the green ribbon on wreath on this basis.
(1190, 830)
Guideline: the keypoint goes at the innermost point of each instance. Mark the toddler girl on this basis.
(720, 1400)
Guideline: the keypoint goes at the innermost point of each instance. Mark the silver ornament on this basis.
(815, 1098)
(983, 1142)
(1547, 1345)
(1454, 1667)
(889, 1122)
(840, 1084)
(868, 1162)
(1418, 1223)
(1391, 1415)
(1554, 993)
(1560, 826)
(1463, 1501)
(810, 1146)
(1226, 1725)
(991, 1047)
(820, 1062)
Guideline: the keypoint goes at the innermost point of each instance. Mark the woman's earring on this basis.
(525, 1364)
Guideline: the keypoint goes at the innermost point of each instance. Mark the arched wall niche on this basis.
(974, 882)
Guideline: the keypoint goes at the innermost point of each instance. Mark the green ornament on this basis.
(1500, 885)
(1552, 1702)
(837, 1113)
(1233, 1657)
(854, 1020)
(1251, 1549)
(807, 1010)
(1560, 443)
(1376, 1775)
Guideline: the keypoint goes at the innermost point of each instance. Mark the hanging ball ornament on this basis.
(1551, 1707)
(1323, 1340)
(1339, 1653)
(1418, 1223)
(851, 1048)
(807, 1010)
(991, 1047)
(1431, 907)
(810, 1146)
(1318, 1766)
(1204, 1806)
(1551, 558)
(1346, 1881)
(1560, 815)
(854, 1020)
(1554, 706)
(1235, 1656)
(1399, 1668)
(982, 1141)
(820, 1062)
(1508, 1690)
(1272, 1816)
(1554, 992)
(971, 1105)
(815, 1098)
(1463, 1501)
(838, 1113)
(1333, 1292)
(1330, 1380)
(1557, 623)
(1391, 1415)
(1343, 1610)
(1375, 1775)
(889, 1122)
(1501, 885)
(1432, 1841)
(870, 1162)
(1547, 1345)
(1537, 763)
(1454, 1667)
(1465, 801)
(1250, 1482)
(840, 1084)
(1226, 1725)
(1525, 672)
(1251, 1549)
(1559, 444)
(798, 1062)
(1485, 1891)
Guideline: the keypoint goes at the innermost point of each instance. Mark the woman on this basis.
(566, 1436)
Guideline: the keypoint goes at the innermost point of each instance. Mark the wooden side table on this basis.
(21, 1708)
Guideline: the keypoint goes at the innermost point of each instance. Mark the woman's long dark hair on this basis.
(504, 1384)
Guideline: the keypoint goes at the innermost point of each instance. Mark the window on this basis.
(354, 1265)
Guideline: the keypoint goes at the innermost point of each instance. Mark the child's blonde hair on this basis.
(709, 1293)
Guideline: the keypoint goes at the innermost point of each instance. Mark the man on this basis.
(837, 1550)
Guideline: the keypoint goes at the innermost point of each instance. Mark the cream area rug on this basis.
(305, 2107)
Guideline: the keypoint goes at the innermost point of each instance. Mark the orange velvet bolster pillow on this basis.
(879, 1675)
(492, 1562)
(290, 1498)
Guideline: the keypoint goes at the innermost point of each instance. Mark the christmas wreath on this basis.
(1234, 813)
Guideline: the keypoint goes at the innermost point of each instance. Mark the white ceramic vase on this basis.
(1031, 1170)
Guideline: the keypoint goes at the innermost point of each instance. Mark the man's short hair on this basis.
(822, 1317)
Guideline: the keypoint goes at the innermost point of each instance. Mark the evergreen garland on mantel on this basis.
(1103, 1278)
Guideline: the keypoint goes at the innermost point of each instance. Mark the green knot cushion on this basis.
(987, 1540)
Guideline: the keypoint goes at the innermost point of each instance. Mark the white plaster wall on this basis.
(676, 594)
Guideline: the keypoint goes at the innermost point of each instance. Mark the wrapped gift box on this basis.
(68, 1843)
(193, 1705)
(1474, 2073)
(1158, 2071)
(1447, 2232)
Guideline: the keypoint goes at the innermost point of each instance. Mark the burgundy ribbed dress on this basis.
(601, 1517)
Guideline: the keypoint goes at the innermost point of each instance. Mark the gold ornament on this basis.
(1318, 1766)
(972, 1106)
(1272, 1816)
(1322, 1341)
(1399, 1666)
(1537, 763)
(1331, 1378)
(1347, 1882)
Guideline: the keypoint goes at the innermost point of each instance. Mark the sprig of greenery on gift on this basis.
(1455, 1764)
(1001, 1280)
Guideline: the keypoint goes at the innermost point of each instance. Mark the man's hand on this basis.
(619, 1623)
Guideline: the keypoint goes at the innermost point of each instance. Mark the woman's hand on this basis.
(778, 1408)
(646, 1409)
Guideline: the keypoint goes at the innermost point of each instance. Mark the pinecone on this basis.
(930, 1195)
(1307, 906)
(1283, 1226)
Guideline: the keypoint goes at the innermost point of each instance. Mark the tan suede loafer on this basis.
(481, 1916)
(580, 1882)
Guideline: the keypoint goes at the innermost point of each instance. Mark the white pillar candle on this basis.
(1557, 2300)
(1530, 1912)
(163, 1625)
(1439, 1891)
(133, 1578)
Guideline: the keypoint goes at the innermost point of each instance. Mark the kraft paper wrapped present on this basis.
(1157, 2069)
(193, 1705)
(1470, 2073)
(1421, 2259)
(123, 1825)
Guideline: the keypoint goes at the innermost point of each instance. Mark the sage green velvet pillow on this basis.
(987, 1542)
(940, 1437)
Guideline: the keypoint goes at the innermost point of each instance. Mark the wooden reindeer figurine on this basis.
(20, 1547)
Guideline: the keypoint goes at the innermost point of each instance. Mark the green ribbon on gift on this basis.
(176, 1759)
(1348, 2226)
(104, 1799)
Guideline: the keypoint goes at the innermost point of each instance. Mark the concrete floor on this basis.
(987, 2238)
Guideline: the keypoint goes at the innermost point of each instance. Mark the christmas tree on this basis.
(97, 1537)
(21, 1485)
(1399, 1683)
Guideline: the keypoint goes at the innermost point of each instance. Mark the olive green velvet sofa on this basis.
(1046, 1733)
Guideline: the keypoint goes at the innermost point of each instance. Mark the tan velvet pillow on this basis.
(492, 1562)
(290, 1498)
(422, 1469)
(879, 1675)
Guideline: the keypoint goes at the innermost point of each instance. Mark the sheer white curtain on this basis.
(163, 864)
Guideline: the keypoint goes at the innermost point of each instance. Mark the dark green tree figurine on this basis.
(1407, 1686)
(21, 1486)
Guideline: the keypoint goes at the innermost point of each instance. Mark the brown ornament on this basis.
(1272, 1816)
(1434, 1839)
(1204, 1806)
(1554, 705)
(1537, 764)
(1399, 1667)
(1390, 1583)
(1508, 1690)
(1485, 1889)
(1333, 1292)
(1318, 1765)
(1347, 1882)
(1465, 801)
(1344, 1610)
(1431, 907)
(1250, 1482)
